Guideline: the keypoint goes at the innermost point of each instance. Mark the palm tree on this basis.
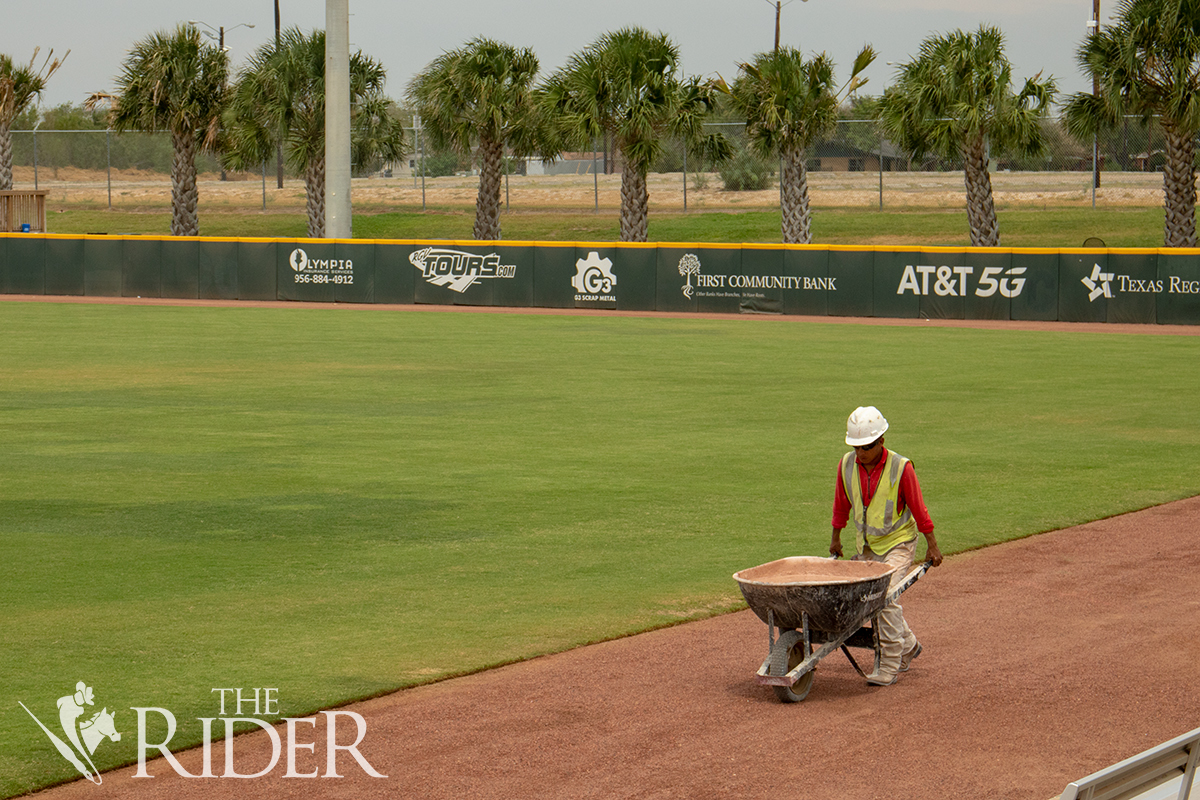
(280, 96)
(19, 85)
(177, 83)
(480, 95)
(790, 104)
(626, 86)
(1148, 64)
(955, 99)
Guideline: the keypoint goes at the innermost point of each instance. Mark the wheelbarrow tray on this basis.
(837, 596)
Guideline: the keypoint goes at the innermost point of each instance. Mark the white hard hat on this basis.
(864, 426)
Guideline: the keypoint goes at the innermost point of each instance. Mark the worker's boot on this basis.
(906, 658)
(881, 678)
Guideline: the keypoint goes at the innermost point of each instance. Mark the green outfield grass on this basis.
(341, 502)
(1028, 227)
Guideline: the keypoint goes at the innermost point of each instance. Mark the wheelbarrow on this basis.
(817, 605)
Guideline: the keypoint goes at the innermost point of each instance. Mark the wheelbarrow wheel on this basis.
(798, 690)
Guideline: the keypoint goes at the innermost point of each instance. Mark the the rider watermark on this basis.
(297, 745)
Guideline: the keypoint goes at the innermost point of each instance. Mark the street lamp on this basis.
(220, 32)
(220, 37)
(779, 4)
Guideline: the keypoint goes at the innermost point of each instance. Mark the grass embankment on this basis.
(1048, 227)
(341, 502)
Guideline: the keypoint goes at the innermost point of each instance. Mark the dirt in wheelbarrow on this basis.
(1044, 660)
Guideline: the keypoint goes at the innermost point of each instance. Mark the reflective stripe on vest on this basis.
(877, 523)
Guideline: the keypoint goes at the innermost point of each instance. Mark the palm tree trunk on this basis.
(635, 202)
(487, 205)
(1179, 190)
(981, 210)
(185, 220)
(314, 189)
(6, 175)
(797, 220)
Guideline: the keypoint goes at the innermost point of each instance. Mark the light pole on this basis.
(1094, 29)
(278, 144)
(337, 120)
(779, 4)
(220, 37)
(220, 31)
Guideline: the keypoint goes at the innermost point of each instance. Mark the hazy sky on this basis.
(713, 35)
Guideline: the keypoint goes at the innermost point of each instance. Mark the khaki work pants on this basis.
(895, 637)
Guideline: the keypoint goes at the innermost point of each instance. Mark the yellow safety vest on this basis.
(879, 525)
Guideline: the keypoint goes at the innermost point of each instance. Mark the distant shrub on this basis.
(747, 172)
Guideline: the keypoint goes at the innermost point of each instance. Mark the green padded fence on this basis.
(1073, 285)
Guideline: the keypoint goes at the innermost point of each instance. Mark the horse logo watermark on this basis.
(84, 737)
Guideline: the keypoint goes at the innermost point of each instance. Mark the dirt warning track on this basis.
(1044, 660)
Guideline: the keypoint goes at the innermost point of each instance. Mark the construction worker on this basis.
(879, 490)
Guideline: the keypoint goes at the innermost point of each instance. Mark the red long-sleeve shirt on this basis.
(910, 494)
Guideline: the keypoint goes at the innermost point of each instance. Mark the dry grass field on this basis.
(132, 189)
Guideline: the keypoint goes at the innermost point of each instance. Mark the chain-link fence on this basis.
(854, 167)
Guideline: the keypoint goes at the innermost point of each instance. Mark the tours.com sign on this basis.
(301, 749)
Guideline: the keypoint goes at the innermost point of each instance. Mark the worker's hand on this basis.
(835, 543)
(933, 555)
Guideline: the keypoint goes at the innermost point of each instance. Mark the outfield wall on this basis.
(1070, 285)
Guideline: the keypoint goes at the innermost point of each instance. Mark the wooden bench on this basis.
(22, 208)
(1165, 772)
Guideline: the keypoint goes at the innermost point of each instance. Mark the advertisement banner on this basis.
(180, 269)
(853, 272)
(517, 291)
(945, 283)
(967, 284)
(309, 271)
(590, 279)
(1179, 276)
(1085, 286)
(706, 279)
(1037, 297)
(553, 276)
(896, 292)
(466, 273)
(25, 272)
(1142, 286)
(394, 276)
(1135, 286)
(141, 267)
(101, 259)
(813, 286)
(764, 283)
(216, 269)
(631, 276)
(256, 275)
(361, 258)
(993, 284)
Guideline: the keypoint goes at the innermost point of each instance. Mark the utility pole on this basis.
(279, 144)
